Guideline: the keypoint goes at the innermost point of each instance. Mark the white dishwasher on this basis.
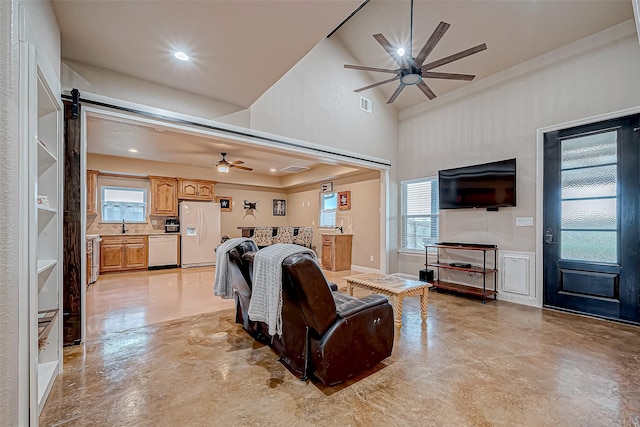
(163, 251)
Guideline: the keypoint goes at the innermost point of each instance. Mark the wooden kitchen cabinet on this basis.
(92, 191)
(336, 251)
(122, 253)
(196, 190)
(164, 196)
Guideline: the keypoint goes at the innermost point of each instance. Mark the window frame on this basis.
(143, 190)
(404, 216)
(321, 210)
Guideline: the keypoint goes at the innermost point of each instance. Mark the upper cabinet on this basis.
(164, 196)
(92, 192)
(196, 190)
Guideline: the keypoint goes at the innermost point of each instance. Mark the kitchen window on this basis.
(419, 213)
(328, 209)
(120, 204)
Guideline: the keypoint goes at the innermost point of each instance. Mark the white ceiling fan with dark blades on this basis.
(224, 166)
(412, 70)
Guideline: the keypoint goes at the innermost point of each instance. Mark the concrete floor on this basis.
(498, 364)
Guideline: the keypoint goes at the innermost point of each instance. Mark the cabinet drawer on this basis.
(123, 239)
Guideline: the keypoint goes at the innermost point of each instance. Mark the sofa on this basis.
(325, 333)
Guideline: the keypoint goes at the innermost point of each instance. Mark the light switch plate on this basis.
(526, 221)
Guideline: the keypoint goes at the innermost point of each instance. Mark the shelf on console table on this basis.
(483, 270)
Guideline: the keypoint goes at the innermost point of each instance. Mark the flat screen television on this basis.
(489, 185)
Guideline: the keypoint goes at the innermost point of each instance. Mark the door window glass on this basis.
(589, 214)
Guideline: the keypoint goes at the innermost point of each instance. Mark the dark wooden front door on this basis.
(591, 219)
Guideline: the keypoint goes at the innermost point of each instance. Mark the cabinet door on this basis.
(92, 192)
(205, 191)
(342, 253)
(327, 257)
(135, 255)
(188, 190)
(111, 256)
(164, 196)
(327, 252)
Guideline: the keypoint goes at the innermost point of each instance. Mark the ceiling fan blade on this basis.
(454, 57)
(396, 93)
(390, 50)
(377, 84)
(236, 162)
(426, 90)
(380, 70)
(448, 76)
(244, 168)
(431, 43)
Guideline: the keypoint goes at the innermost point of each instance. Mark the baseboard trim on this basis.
(365, 269)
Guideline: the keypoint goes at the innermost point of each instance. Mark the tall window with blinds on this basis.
(419, 213)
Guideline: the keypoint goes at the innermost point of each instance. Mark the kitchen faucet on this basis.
(124, 230)
(340, 228)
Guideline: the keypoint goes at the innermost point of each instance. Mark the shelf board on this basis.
(46, 376)
(464, 247)
(47, 210)
(45, 264)
(463, 289)
(471, 269)
(45, 158)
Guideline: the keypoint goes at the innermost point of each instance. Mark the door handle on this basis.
(548, 236)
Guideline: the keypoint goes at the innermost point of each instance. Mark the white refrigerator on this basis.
(199, 233)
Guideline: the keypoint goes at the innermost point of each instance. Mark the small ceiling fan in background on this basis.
(224, 166)
(412, 71)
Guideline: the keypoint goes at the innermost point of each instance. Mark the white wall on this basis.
(497, 118)
(98, 81)
(315, 102)
(42, 31)
(9, 216)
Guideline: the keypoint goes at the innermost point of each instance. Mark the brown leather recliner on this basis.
(366, 322)
(344, 336)
(241, 274)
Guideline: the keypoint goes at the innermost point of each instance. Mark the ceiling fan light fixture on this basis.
(411, 76)
(223, 168)
(400, 51)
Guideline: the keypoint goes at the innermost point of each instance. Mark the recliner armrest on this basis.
(350, 306)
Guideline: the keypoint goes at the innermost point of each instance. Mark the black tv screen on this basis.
(490, 185)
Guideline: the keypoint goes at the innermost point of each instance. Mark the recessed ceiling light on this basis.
(400, 51)
(273, 170)
(133, 150)
(181, 56)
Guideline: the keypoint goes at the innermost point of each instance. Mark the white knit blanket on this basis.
(266, 294)
(223, 282)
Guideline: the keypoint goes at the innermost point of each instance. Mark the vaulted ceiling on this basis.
(241, 48)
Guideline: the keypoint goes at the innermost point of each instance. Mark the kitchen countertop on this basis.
(153, 233)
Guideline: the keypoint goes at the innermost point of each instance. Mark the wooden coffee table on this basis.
(394, 287)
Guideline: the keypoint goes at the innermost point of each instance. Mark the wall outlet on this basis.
(313, 223)
(154, 222)
(371, 258)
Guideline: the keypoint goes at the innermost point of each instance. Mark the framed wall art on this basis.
(279, 207)
(226, 203)
(344, 200)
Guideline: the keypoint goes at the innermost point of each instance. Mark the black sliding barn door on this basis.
(591, 226)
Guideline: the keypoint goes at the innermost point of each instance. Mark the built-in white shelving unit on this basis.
(42, 127)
